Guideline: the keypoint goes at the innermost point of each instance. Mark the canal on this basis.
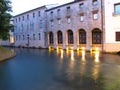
(39, 69)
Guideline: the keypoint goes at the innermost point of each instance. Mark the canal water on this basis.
(39, 69)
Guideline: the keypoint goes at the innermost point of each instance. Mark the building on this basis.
(111, 25)
(81, 24)
(30, 28)
(75, 25)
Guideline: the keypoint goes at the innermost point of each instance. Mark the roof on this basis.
(64, 5)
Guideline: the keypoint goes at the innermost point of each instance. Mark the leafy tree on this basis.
(5, 17)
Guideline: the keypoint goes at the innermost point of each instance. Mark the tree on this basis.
(5, 17)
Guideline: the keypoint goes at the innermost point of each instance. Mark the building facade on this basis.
(30, 28)
(112, 25)
(81, 24)
(75, 25)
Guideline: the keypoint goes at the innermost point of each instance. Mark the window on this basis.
(39, 36)
(68, 20)
(23, 18)
(23, 37)
(27, 17)
(81, 5)
(33, 15)
(51, 14)
(82, 36)
(96, 36)
(19, 37)
(117, 36)
(59, 21)
(39, 13)
(95, 15)
(16, 38)
(95, 2)
(58, 11)
(52, 23)
(16, 20)
(41, 23)
(117, 8)
(82, 17)
(19, 19)
(68, 9)
(33, 36)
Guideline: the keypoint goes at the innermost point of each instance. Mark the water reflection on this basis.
(43, 71)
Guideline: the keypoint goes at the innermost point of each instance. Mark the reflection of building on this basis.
(78, 24)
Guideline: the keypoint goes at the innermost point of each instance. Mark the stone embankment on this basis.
(6, 54)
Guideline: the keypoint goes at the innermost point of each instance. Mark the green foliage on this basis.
(5, 17)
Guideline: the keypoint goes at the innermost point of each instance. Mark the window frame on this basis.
(115, 11)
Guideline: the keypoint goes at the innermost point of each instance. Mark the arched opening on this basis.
(70, 37)
(59, 37)
(51, 38)
(96, 36)
(82, 36)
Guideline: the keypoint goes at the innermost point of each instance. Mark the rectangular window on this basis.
(68, 20)
(58, 11)
(51, 13)
(33, 36)
(39, 13)
(27, 17)
(81, 17)
(68, 9)
(81, 5)
(33, 15)
(23, 18)
(41, 23)
(95, 15)
(23, 37)
(117, 36)
(117, 8)
(59, 21)
(16, 20)
(52, 23)
(19, 19)
(39, 36)
(95, 2)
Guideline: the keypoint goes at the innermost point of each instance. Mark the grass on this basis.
(5, 53)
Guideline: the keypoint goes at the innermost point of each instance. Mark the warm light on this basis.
(83, 55)
(61, 55)
(72, 55)
(11, 39)
(97, 56)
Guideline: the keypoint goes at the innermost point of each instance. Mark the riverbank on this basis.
(5, 54)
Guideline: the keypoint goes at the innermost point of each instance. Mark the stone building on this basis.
(81, 24)
(75, 25)
(30, 28)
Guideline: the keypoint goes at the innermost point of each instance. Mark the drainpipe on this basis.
(102, 25)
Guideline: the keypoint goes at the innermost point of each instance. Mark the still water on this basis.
(36, 69)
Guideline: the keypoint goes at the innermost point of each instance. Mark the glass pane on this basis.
(117, 9)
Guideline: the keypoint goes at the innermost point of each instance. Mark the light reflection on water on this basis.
(36, 69)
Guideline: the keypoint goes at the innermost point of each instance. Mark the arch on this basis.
(96, 36)
(51, 36)
(70, 37)
(59, 37)
(82, 36)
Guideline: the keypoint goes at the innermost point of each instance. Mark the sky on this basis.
(20, 6)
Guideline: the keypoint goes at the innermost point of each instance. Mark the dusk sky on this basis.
(20, 6)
